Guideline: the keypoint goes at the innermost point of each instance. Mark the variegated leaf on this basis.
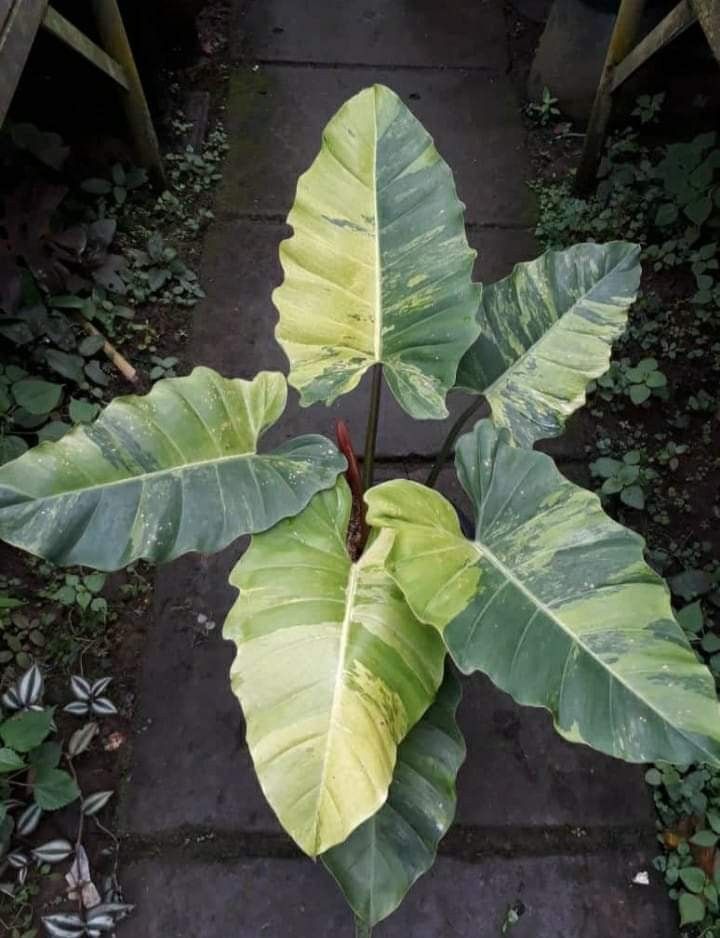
(29, 820)
(17, 859)
(381, 859)
(100, 685)
(332, 670)
(547, 331)
(55, 851)
(378, 269)
(81, 687)
(157, 476)
(81, 739)
(64, 925)
(102, 707)
(94, 803)
(30, 686)
(553, 600)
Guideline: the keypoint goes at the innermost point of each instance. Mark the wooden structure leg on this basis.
(115, 42)
(622, 41)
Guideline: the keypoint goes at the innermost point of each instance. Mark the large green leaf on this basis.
(157, 476)
(383, 857)
(332, 670)
(553, 601)
(378, 269)
(547, 331)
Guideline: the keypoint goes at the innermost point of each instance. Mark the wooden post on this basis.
(115, 42)
(621, 42)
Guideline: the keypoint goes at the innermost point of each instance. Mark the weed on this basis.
(545, 111)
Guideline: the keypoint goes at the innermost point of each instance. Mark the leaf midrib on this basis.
(487, 554)
(338, 687)
(377, 334)
(144, 476)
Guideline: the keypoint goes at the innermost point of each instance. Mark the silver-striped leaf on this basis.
(554, 601)
(332, 670)
(547, 331)
(81, 739)
(378, 269)
(156, 476)
(81, 687)
(29, 820)
(379, 862)
(102, 707)
(30, 687)
(64, 925)
(54, 851)
(94, 803)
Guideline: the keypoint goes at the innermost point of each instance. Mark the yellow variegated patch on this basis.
(378, 269)
(546, 331)
(332, 670)
(554, 601)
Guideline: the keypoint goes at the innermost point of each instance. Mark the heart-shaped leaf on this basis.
(54, 788)
(160, 475)
(26, 730)
(553, 600)
(10, 761)
(378, 269)
(36, 396)
(332, 670)
(381, 859)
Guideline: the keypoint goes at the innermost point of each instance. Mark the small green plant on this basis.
(158, 273)
(162, 367)
(115, 189)
(545, 111)
(637, 382)
(669, 455)
(198, 172)
(81, 592)
(648, 107)
(38, 776)
(626, 477)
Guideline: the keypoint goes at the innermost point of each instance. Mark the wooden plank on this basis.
(708, 12)
(66, 32)
(115, 41)
(622, 40)
(675, 23)
(5, 7)
(18, 34)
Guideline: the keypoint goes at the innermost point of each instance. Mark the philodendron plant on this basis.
(350, 612)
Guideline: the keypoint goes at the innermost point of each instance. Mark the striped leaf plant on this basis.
(358, 605)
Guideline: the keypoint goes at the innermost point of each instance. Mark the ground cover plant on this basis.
(653, 437)
(95, 283)
(357, 602)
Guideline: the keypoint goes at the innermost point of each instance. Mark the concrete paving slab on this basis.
(191, 765)
(560, 897)
(377, 32)
(234, 325)
(275, 117)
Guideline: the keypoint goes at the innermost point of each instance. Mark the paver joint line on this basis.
(465, 843)
(368, 66)
(229, 216)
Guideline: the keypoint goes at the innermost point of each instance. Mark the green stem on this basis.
(372, 427)
(453, 434)
(362, 929)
